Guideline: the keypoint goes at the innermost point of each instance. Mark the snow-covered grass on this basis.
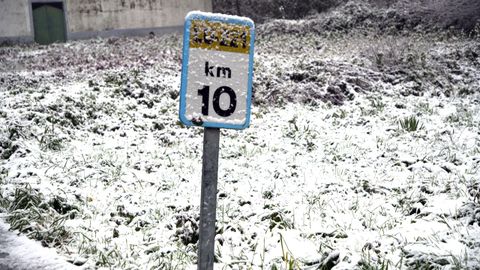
(19, 252)
(351, 162)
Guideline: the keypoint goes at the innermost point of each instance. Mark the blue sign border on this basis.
(186, 50)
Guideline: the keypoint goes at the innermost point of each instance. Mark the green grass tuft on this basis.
(410, 124)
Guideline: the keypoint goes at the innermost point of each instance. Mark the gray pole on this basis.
(208, 200)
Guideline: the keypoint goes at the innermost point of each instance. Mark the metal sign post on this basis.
(208, 198)
(216, 92)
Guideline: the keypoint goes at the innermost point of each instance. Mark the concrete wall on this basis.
(15, 19)
(89, 18)
(94, 15)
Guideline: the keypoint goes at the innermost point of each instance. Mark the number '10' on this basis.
(205, 93)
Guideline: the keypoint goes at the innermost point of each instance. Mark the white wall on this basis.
(99, 15)
(93, 17)
(14, 18)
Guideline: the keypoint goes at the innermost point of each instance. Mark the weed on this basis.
(410, 124)
(180, 258)
(459, 262)
(49, 139)
(315, 201)
(30, 213)
(391, 51)
(108, 258)
(474, 190)
(301, 133)
(463, 116)
(341, 114)
(424, 107)
(368, 264)
(377, 104)
(287, 257)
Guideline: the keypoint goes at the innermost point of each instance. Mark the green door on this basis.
(48, 23)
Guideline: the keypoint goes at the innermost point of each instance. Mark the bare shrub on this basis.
(461, 14)
(262, 10)
(396, 51)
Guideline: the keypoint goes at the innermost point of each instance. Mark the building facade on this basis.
(47, 21)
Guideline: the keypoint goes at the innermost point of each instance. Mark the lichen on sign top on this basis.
(220, 36)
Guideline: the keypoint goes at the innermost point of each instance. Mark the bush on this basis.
(459, 14)
(399, 14)
(263, 10)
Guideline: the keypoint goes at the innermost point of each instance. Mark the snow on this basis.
(20, 253)
(317, 178)
(219, 16)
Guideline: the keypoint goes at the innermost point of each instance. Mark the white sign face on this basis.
(217, 71)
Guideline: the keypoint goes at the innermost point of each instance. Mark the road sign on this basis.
(217, 70)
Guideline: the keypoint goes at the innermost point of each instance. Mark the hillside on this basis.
(430, 14)
(363, 152)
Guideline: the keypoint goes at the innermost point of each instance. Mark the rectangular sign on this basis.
(217, 71)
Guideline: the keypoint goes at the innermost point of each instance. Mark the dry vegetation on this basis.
(461, 14)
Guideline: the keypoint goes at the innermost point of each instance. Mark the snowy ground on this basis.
(95, 163)
(21, 253)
